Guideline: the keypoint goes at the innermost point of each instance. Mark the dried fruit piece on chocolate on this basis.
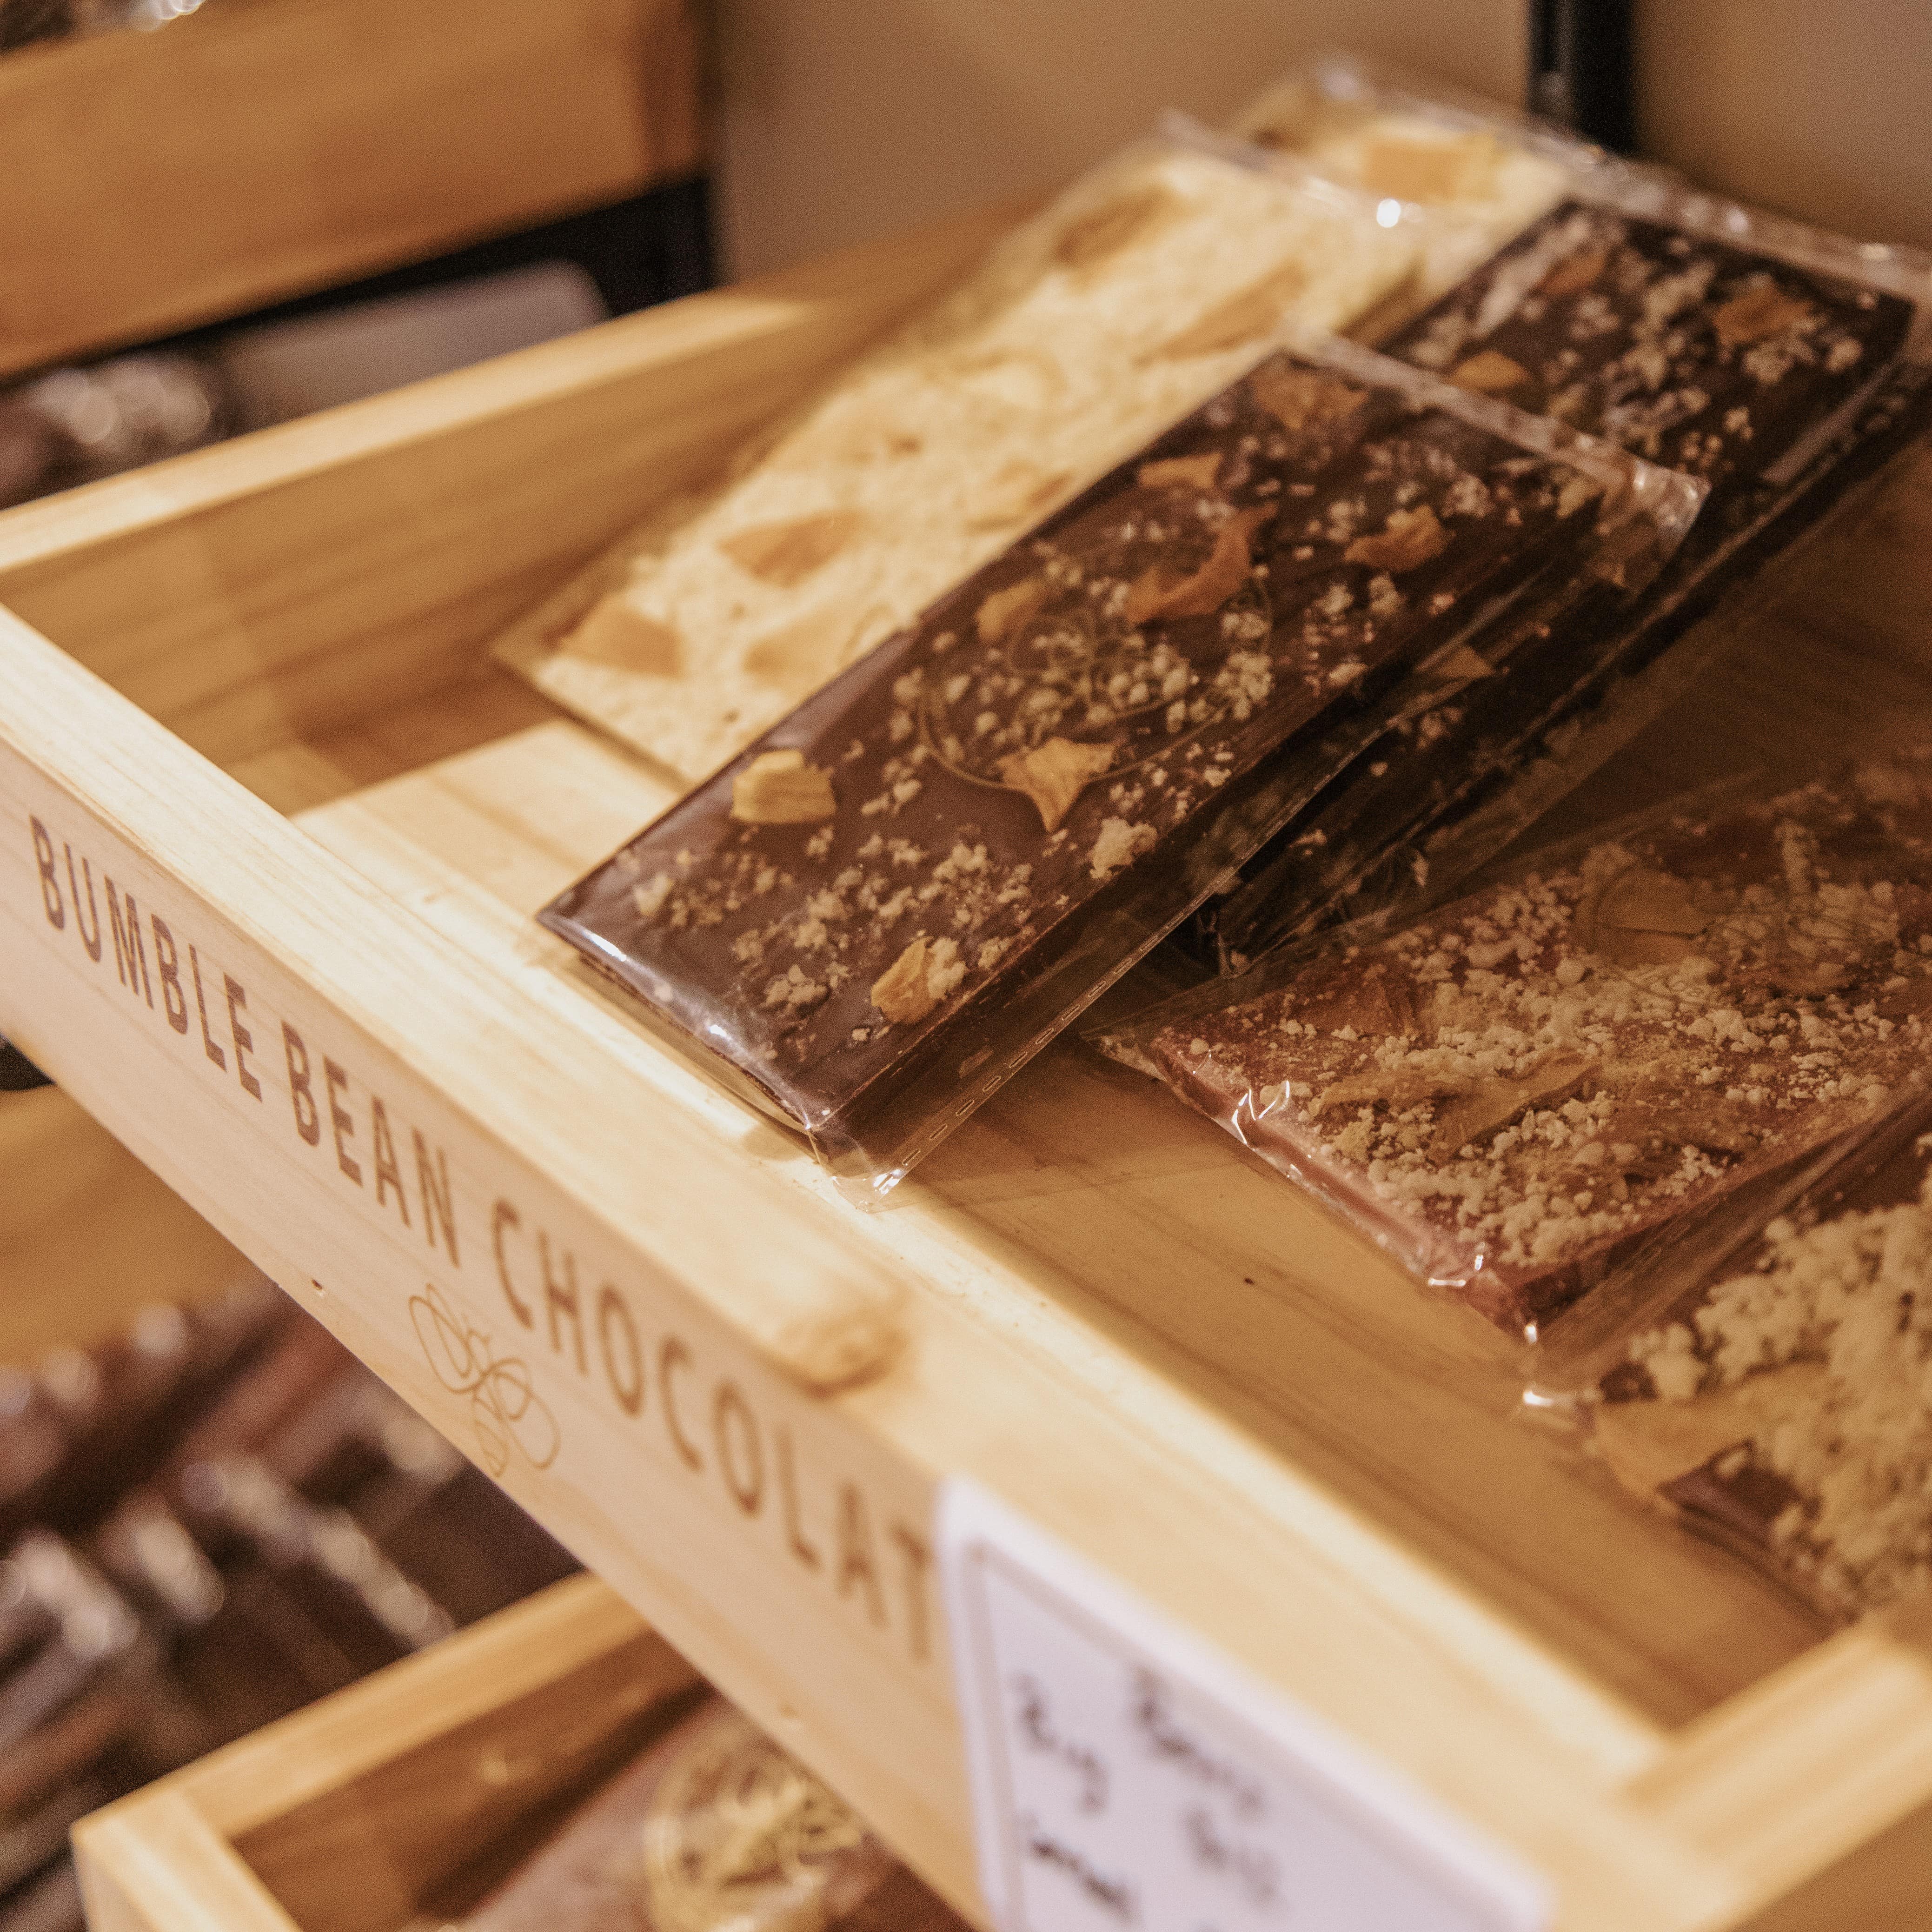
(1250, 312)
(1004, 609)
(1180, 473)
(918, 980)
(1490, 371)
(1089, 239)
(1054, 774)
(1021, 490)
(1158, 593)
(780, 788)
(1640, 917)
(1763, 310)
(1301, 399)
(1409, 538)
(1458, 167)
(787, 554)
(1491, 1104)
(1575, 273)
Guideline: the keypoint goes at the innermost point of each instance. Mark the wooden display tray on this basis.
(352, 1815)
(262, 149)
(247, 688)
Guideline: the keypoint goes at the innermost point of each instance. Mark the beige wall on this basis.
(843, 119)
(1822, 107)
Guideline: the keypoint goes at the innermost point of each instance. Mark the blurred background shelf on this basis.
(151, 182)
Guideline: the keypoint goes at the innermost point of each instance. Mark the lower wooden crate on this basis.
(1089, 1301)
(352, 1815)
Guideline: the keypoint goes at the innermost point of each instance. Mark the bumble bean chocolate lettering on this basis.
(740, 1454)
(91, 940)
(131, 955)
(672, 1350)
(754, 1467)
(308, 1121)
(388, 1175)
(214, 1052)
(51, 903)
(242, 1040)
(341, 1120)
(614, 1313)
(560, 1296)
(167, 963)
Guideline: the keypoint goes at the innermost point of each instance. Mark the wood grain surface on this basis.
(256, 151)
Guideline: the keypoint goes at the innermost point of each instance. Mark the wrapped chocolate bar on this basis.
(1150, 283)
(1781, 364)
(713, 1828)
(1481, 172)
(1769, 1382)
(875, 915)
(1509, 1095)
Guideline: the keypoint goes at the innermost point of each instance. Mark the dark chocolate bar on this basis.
(1779, 385)
(972, 831)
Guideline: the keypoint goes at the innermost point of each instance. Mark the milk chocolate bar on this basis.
(1779, 1403)
(931, 866)
(1510, 1093)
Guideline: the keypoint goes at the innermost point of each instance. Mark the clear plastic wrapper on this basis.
(1782, 364)
(1479, 173)
(1766, 1378)
(1510, 1095)
(1157, 277)
(879, 911)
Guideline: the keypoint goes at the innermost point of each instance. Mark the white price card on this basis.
(1125, 1775)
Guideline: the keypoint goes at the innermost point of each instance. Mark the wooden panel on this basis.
(259, 149)
(87, 1235)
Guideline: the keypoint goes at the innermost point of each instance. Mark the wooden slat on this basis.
(1794, 1773)
(259, 150)
(154, 1864)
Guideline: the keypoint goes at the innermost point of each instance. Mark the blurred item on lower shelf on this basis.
(711, 1827)
(207, 1521)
